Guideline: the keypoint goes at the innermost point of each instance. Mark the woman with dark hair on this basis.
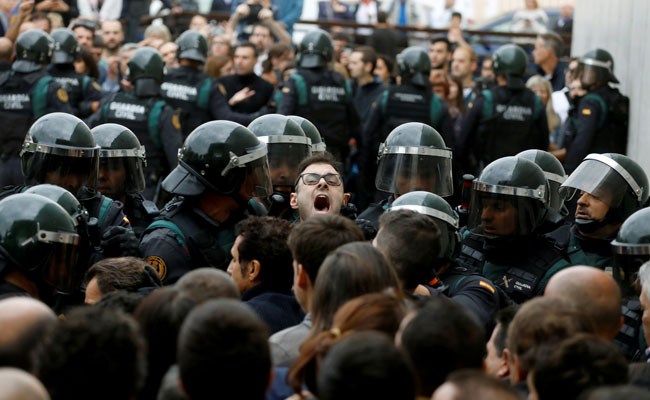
(385, 69)
(216, 66)
(455, 103)
(86, 64)
(280, 55)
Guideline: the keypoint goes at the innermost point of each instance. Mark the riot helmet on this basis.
(316, 49)
(224, 157)
(414, 63)
(63, 198)
(509, 198)
(287, 146)
(511, 61)
(631, 249)
(414, 157)
(192, 46)
(437, 208)
(317, 142)
(38, 236)
(121, 160)
(60, 149)
(614, 179)
(554, 173)
(146, 71)
(66, 46)
(34, 49)
(596, 66)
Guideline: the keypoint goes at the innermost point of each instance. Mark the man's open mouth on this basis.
(322, 203)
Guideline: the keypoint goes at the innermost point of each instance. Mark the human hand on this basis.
(26, 7)
(265, 14)
(243, 10)
(240, 96)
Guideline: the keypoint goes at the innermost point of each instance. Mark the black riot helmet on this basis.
(414, 157)
(554, 173)
(317, 142)
(612, 178)
(66, 46)
(509, 198)
(286, 143)
(34, 49)
(631, 249)
(511, 61)
(316, 49)
(596, 66)
(192, 46)
(224, 157)
(60, 149)
(414, 63)
(63, 198)
(120, 150)
(437, 208)
(146, 71)
(39, 238)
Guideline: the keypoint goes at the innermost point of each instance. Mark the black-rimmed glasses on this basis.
(313, 179)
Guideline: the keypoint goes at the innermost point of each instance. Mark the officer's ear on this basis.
(254, 268)
(346, 198)
(293, 200)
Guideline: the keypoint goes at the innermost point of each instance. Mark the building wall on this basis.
(621, 27)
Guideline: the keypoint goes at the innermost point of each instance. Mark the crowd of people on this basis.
(224, 211)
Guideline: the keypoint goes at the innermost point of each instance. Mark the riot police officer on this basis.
(600, 124)
(469, 288)
(504, 120)
(287, 146)
(414, 157)
(317, 143)
(631, 249)
(221, 167)
(39, 248)
(144, 112)
(411, 101)
(320, 95)
(508, 205)
(609, 188)
(26, 93)
(121, 173)
(84, 93)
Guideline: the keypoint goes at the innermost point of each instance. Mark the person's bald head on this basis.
(6, 49)
(595, 292)
(16, 384)
(23, 321)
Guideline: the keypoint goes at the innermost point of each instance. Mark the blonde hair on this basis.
(551, 117)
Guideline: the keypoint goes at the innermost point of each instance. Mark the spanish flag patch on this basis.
(487, 286)
(586, 111)
(125, 219)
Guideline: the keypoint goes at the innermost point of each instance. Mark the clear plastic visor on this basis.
(62, 270)
(597, 179)
(404, 173)
(258, 179)
(121, 175)
(503, 215)
(283, 161)
(78, 175)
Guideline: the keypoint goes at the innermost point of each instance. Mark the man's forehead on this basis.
(320, 168)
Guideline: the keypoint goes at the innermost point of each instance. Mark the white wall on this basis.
(622, 28)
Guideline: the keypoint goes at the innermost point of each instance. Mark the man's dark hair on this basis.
(441, 38)
(554, 41)
(503, 319)
(321, 158)
(90, 350)
(469, 382)
(618, 392)
(341, 36)
(223, 345)
(638, 373)
(411, 243)
(382, 17)
(120, 300)
(262, 25)
(40, 15)
(456, 14)
(366, 365)
(124, 273)
(312, 240)
(160, 316)
(584, 361)
(203, 284)
(265, 239)
(86, 24)
(368, 55)
(249, 45)
(442, 337)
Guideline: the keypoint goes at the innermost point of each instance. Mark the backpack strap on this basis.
(164, 223)
(39, 95)
(301, 88)
(538, 109)
(488, 106)
(603, 107)
(154, 118)
(384, 101)
(203, 98)
(436, 110)
(84, 83)
(103, 210)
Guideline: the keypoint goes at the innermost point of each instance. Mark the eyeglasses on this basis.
(313, 179)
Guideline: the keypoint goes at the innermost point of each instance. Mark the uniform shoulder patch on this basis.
(286, 90)
(62, 95)
(125, 219)
(176, 122)
(222, 89)
(482, 283)
(96, 86)
(470, 105)
(586, 111)
(159, 265)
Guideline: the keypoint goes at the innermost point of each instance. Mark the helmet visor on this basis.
(284, 159)
(591, 71)
(258, 179)
(599, 180)
(62, 270)
(121, 175)
(625, 270)
(78, 175)
(495, 215)
(402, 173)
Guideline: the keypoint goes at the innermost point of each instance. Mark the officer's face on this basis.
(70, 181)
(590, 207)
(498, 217)
(438, 53)
(244, 60)
(320, 198)
(407, 183)
(112, 179)
(235, 268)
